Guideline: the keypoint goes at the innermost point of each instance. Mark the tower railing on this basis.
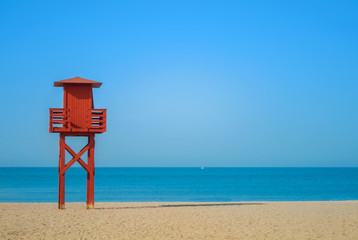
(97, 120)
(59, 118)
(60, 121)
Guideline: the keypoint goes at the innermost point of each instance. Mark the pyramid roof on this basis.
(77, 80)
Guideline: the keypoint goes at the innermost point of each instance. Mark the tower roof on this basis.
(77, 80)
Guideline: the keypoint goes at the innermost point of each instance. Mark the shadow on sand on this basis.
(184, 205)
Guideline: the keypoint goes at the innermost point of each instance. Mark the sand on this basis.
(252, 220)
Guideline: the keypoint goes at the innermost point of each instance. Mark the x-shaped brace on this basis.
(77, 158)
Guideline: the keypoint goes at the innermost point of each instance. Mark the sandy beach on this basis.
(228, 220)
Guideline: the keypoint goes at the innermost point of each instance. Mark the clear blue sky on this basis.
(186, 83)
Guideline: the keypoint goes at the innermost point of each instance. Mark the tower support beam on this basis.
(76, 157)
(90, 173)
(61, 173)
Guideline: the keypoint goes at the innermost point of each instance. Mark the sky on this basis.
(186, 83)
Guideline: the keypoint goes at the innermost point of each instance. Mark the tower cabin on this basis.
(78, 114)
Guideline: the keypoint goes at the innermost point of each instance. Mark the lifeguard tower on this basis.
(77, 118)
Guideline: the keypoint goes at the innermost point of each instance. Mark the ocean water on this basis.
(182, 184)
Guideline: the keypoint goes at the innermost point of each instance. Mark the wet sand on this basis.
(228, 220)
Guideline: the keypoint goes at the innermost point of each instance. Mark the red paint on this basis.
(78, 99)
(77, 118)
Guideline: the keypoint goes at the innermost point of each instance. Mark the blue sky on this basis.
(186, 83)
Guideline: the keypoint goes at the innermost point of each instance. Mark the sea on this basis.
(182, 184)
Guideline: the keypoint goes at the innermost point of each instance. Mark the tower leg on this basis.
(61, 174)
(90, 173)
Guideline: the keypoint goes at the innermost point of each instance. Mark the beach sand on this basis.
(239, 220)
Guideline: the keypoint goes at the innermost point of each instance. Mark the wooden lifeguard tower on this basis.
(77, 118)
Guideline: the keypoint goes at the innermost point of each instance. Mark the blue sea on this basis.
(182, 184)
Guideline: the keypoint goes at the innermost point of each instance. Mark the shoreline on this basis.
(182, 220)
(248, 201)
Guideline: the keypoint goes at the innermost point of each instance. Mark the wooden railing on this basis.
(60, 121)
(97, 120)
(59, 118)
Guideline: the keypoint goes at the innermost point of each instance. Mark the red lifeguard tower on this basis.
(77, 118)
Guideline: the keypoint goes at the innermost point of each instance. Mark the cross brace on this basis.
(76, 157)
